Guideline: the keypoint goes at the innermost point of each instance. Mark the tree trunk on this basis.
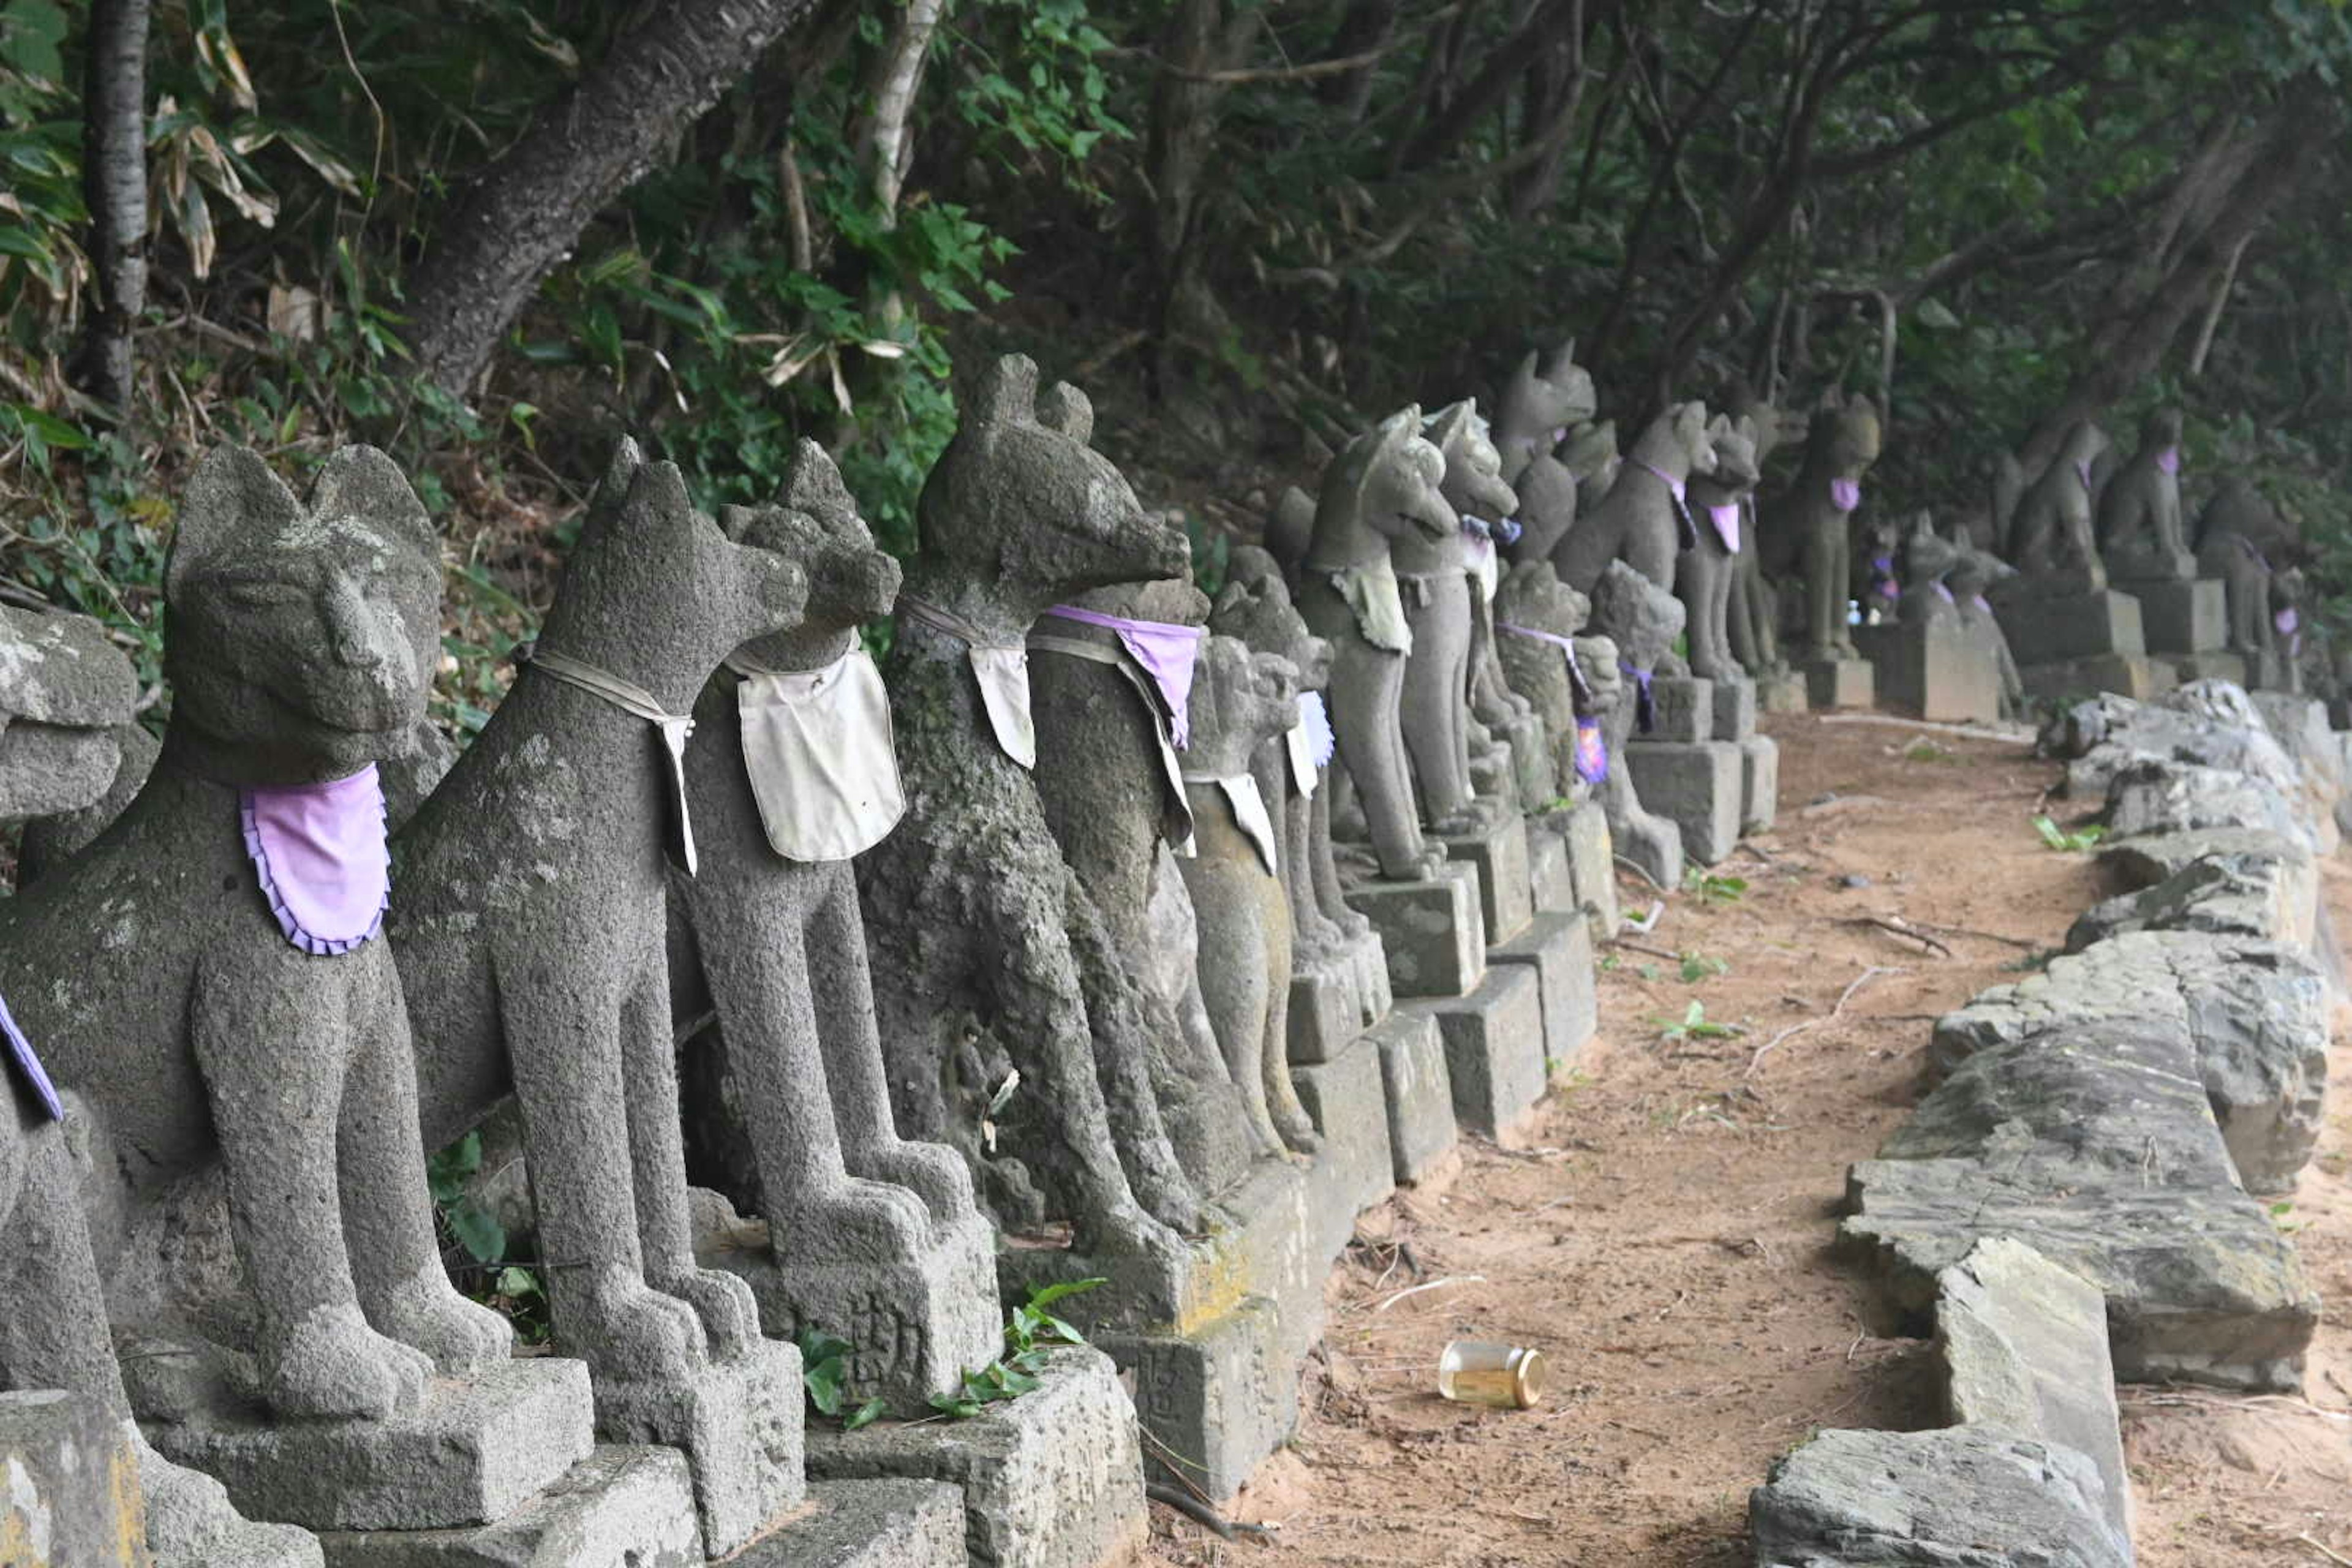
(524, 212)
(114, 185)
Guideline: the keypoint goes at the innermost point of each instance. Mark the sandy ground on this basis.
(1663, 1239)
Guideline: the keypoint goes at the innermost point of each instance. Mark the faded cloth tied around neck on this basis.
(1726, 519)
(673, 729)
(28, 1066)
(1167, 652)
(1249, 811)
(2169, 460)
(1478, 562)
(817, 751)
(1942, 591)
(1176, 817)
(318, 851)
(1882, 577)
(1645, 701)
(2286, 621)
(1371, 591)
(2082, 472)
(1845, 494)
(1680, 491)
(1310, 743)
(1000, 669)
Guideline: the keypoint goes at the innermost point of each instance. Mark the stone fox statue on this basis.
(1810, 527)
(1645, 519)
(969, 906)
(1704, 573)
(531, 927)
(1383, 487)
(2048, 535)
(1752, 619)
(2241, 539)
(2140, 531)
(1535, 416)
(207, 976)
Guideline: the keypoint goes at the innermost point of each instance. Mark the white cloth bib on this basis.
(817, 748)
(1248, 806)
(673, 728)
(1003, 677)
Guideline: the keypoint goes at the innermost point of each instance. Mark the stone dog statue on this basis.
(1704, 573)
(1752, 614)
(1383, 487)
(1535, 414)
(1643, 620)
(2140, 533)
(2242, 540)
(531, 927)
(1974, 572)
(2048, 535)
(787, 1098)
(1808, 528)
(1241, 700)
(209, 1000)
(1537, 618)
(969, 906)
(1645, 519)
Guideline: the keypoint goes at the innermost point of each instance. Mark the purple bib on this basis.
(318, 851)
(1726, 519)
(28, 1066)
(2286, 621)
(1845, 494)
(1941, 591)
(1165, 651)
(2169, 459)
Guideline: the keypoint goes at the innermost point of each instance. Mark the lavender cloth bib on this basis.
(1592, 754)
(1726, 519)
(2286, 621)
(1309, 742)
(2169, 460)
(1941, 591)
(28, 1066)
(319, 853)
(1167, 653)
(1845, 494)
(817, 751)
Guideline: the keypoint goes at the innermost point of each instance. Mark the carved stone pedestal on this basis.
(1784, 691)
(1682, 708)
(1336, 995)
(1838, 683)
(1935, 668)
(1433, 934)
(617, 1508)
(913, 1324)
(1499, 854)
(1558, 949)
(1051, 1480)
(2229, 666)
(1419, 1091)
(1550, 880)
(2182, 616)
(1696, 785)
(1759, 784)
(2078, 625)
(1347, 1097)
(72, 1491)
(868, 1524)
(1494, 1049)
(1735, 710)
(738, 1422)
(2136, 676)
(473, 1452)
(1592, 866)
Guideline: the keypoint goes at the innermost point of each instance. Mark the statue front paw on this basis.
(459, 1335)
(728, 1313)
(329, 1363)
(629, 1332)
(932, 1172)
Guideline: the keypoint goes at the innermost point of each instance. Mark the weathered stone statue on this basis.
(2049, 536)
(1645, 519)
(1592, 459)
(969, 905)
(2139, 524)
(1111, 673)
(1812, 521)
(1537, 618)
(1383, 487)
(208, 977)
(2241, 539)
(1973, 575)
(1704, 571)
(1642, 619)
(67, 696)
(2284, 672)
(790, 773)
(1445, 600)
(1752, 613)
(1535, 416)
(1241, 700)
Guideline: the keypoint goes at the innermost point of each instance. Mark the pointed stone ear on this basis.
(1528, 366)
(1563, 363)
(620, 472)
(1066, 409)
(1006, 393)
(1721, 426)
(1690, 423)
(232, 499)
(1452, 423)
(362, 484)
(812, 484)
(735, 521)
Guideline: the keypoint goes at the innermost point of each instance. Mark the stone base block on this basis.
(2126, 675)
(1759, 784)
(1533, 779)
(1493, 1049)
(1216, 1401)
(1838, 683)
(1937, 669)
(1322, 1008)
(2270, 672)
(1559, 950)
(1593, 865)
(1356, 1167)
(1419, 1091)
(474, 1451)
(2222, 666)
(1051, 1480)
(1735, 710)
(619, 1508)
(1550, 880)
(1695, 785)
(1786, 691)
(1506, 892)
(72, 1493)
(913, 1323)
(2182, 616)
(739, 1424)
(1684, 708)
(2079, 626)
(1433, 932)
(868, 1524)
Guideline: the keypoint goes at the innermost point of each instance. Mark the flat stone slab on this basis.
(2243, 895)
(1419, 1092)
(2079, 627)
(474, 1451)
(1683, 708)
(1356, 1167)
(1506, 892)
(867, 1524)
(2251, 1014)
(1698, 786)
(913, 1323)
(1051, 1480)
(619, 1508)
(1559, 950)
(1493, 1049)
(2288, 868)
(738, 1423)
(2157, 795)
(2179, 616)
(1433, 932)
(1592, 863)
(1961, 1498)
(1735, 710)
(1550, 880)
(2024, 1348)
(1837, 683)
(69, 1485)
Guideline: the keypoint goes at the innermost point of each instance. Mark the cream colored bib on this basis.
(1248, 806)
(1371, 591)
(817, 748)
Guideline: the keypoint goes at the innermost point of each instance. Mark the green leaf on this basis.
(823, 1381)
(478, 1232)
(1046, 1296)
(519, 1283)
(866, 1413)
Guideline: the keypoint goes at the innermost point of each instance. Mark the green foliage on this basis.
(1030, 1335)
(1698, 966)
(1695, 1025)
(470, 1225)
(824, 1375)
(2057, 838)
(1925, 751)
(1710, 888)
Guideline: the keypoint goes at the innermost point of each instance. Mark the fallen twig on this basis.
(1433, 1285)
(1202, 1514)
(1645, 948)
(1987, 936)
(2324, 1552)
(1844, 997)
(1972, 732)
(1639, 872)
(1900, 929)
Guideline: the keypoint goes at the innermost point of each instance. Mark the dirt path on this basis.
(1664, 1238)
